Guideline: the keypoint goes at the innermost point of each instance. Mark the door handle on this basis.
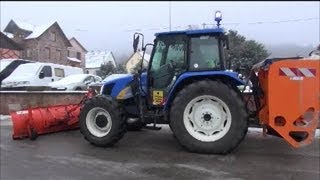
(52, 80)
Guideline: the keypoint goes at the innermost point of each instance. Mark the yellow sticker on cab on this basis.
(157, 97)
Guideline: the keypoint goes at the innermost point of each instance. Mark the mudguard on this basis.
(204, 74)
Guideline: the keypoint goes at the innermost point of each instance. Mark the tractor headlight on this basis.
(218, 16)
(124, 93)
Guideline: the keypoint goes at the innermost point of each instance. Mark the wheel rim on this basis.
(98, 122)
(207, 118)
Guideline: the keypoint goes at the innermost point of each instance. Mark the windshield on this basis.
(169, 49)
(29, 69)
(4, 64)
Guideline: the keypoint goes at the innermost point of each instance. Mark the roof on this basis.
(39, 30)
(73, 38)
(5, 40)
(193, 32)
(34, 31)
(94, 59)
(73, 59)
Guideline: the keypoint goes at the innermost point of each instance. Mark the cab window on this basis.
(59, 72)
(204, 53)
(169, 50)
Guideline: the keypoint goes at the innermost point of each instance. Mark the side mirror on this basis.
(136, 39)
(135, 43)
(87, 82)
(144, 51)
(41, 75)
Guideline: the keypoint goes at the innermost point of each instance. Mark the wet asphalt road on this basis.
(152, 155)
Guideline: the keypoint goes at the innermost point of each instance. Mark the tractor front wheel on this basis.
(209, 117)
(102, 122)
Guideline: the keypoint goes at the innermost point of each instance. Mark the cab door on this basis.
(168, 61)
(45, 76)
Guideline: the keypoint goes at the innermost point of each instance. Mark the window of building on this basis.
(47, 52)
(58, 55)
(59, 72)
(28, 52)
(53, 36)
(69, 53)
(79, 55)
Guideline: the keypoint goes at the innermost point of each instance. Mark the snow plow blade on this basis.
(290, 99)
(33, 122)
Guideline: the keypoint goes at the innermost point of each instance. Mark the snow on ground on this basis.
(5, 117)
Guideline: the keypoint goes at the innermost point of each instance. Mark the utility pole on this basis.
(169, 15)
(204, 25)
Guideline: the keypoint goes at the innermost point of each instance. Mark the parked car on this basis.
(31, 75)
(76, 82)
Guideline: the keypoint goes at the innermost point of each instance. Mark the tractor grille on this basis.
(108, 89)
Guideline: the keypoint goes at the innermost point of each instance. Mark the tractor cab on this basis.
(178, 52)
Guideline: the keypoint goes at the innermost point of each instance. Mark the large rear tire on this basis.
(102, 122)
(209, 117)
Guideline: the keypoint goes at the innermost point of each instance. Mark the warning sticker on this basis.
(157, 97)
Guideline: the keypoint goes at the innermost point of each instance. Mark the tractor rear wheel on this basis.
(209, 117)
(102, 122)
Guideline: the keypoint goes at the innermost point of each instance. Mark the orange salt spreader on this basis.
(288, 98)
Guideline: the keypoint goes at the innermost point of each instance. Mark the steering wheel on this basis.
(172, 65)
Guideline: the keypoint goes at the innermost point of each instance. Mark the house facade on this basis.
(9, 49)
(94, 60)
(77, 53)
(46, 43)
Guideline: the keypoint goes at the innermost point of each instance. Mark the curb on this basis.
(5, 122)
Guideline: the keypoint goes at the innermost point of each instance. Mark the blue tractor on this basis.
(186, 85)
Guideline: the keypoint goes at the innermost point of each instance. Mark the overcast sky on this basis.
(110, 25)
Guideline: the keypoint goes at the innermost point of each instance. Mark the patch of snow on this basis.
(36, 30)
(4, 117)
(252, 129)
(9, 35)
(73, 59)
(259, 130)
(24, 25)
(29, 69)
(4, 63)
(94, 59)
